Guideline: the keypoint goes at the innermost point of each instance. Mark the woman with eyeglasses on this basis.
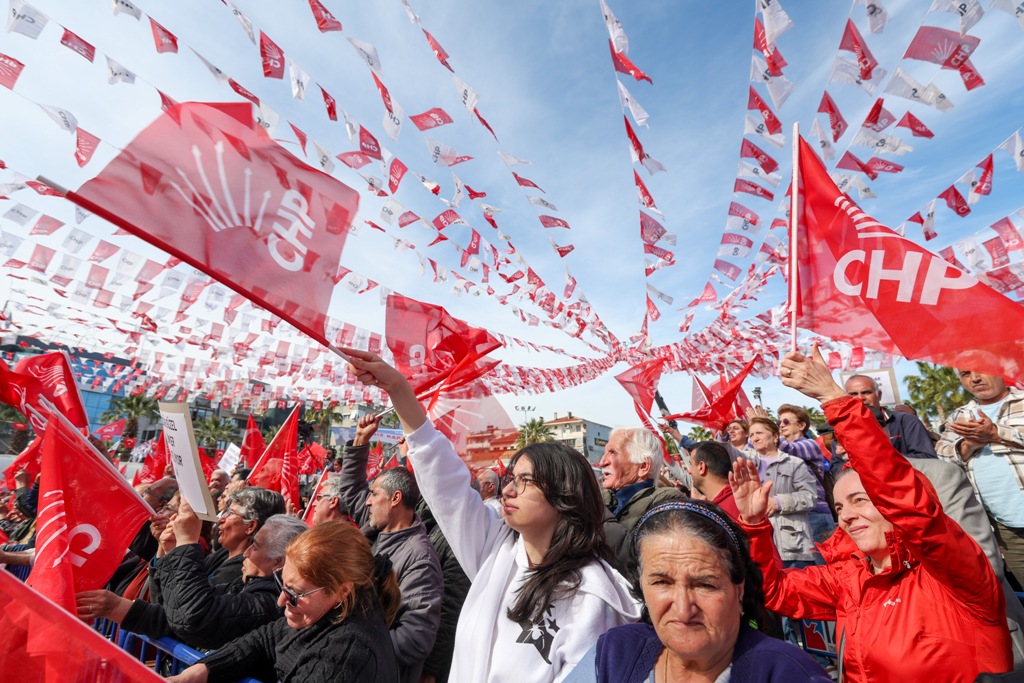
(338, 601)
(541, 590)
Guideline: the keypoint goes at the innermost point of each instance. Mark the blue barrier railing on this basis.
(166, 656)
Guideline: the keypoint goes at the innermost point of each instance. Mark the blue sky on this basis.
(546, 86)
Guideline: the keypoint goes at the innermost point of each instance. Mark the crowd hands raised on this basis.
(553, 574)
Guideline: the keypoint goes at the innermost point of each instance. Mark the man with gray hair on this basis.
(629, 473)
(490, 487)
(328, 505)
(907, 433)
(386, 512)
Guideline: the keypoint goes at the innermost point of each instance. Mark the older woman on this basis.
(541, 593)
(338, 602)
(913, 596)
(794, 494)
(701, 591)
(190, 608)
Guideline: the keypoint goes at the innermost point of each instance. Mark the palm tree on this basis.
(701, 434)
(19, 437)
(214, 430)
(270, 432)
(533, 431)
(817, 417)
(322, 421)
(936, 391)
(132, 408)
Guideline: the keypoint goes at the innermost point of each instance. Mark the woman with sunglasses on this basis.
(338, 601)
(541, 590)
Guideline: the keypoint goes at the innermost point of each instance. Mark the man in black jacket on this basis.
(386, 514)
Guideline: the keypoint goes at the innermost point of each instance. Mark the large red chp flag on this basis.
(57, 384)
(88, 515)
(862, 283)
(207, 184)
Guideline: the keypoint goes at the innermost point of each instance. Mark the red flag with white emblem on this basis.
(862, 283)
(217, 192)
(88, 515)
(278, 468)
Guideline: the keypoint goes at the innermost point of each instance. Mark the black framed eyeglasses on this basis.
(292, 596)
(519, 482)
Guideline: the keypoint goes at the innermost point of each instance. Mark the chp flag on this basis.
(860, 282)
(205, 183)
(88, 515)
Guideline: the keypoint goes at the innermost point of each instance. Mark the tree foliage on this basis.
(214, 430)
(701, 434)
(533, 431)
(935, 391)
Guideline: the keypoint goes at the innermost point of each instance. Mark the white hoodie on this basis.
(488, 645)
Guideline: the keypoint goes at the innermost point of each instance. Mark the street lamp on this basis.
(757, 396)
(525, 410)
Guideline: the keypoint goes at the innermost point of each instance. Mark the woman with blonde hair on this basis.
(338, 602)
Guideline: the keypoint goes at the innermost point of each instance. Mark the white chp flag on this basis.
(25, 19)
(62, 117)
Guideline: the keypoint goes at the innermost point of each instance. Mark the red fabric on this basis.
(937, 313)
(325, 21)
(253, 444)
(623, 65)
(727, 502)
(256, 218)
(28, 460)
(641, 382)
(278, 469)
(722, 408)
(46, 376)
(854, 42)
(88, 515)
(111, 431)
(154, 465)
(273, 57)
(937, 613)
(835, 117)
(42, 642)
(431, 347)
(771, 121)
(375, 461)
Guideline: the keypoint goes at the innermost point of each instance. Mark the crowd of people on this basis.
(910, 542)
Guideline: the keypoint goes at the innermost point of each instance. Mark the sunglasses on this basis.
(292, 597)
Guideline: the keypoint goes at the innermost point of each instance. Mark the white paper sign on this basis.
(181, 446)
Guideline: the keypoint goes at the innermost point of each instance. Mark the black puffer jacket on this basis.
(358, 650)
(197, 613)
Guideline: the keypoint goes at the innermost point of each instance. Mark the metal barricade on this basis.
(166, 656)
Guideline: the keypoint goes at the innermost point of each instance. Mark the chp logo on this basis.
(283, 220)
(881, 265)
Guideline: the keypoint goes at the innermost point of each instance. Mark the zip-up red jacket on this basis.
(936, 614)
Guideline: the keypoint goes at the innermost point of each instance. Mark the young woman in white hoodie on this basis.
(542, 592)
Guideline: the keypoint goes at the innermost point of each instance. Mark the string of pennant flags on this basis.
(718, 347)
(30, 22)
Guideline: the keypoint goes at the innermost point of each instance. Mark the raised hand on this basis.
(365, 429)
(810, 375)
(751, 496)
(371, 370)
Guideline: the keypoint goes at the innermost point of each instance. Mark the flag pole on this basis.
(793, 238)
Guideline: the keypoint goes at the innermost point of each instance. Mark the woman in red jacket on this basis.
(913, 596)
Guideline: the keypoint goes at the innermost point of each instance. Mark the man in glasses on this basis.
(328, 506)
(386, 511)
